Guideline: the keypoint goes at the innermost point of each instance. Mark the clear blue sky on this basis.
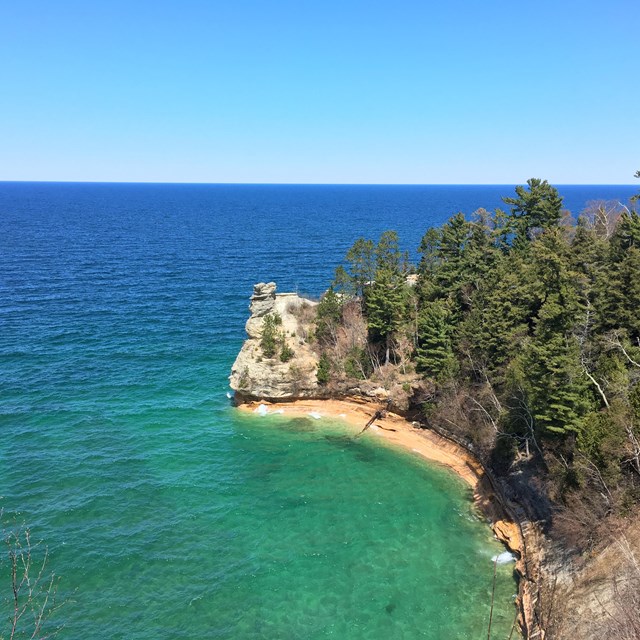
(336, 91)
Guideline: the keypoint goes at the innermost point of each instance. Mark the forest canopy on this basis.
(518, 329)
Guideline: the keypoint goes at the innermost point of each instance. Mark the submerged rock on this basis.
(290, 372)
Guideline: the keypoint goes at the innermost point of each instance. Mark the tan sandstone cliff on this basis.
(255, 376)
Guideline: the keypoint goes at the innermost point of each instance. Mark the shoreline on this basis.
(432, 447)
(425, 443)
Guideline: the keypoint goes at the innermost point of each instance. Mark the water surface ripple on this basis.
(169, 515)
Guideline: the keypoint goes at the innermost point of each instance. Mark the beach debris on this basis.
(380, 413)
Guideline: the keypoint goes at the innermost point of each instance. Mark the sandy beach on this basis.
(398, 431)
(392, 428)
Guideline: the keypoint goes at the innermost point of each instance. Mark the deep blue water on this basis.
(122, 307)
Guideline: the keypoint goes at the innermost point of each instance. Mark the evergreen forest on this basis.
(517, 330)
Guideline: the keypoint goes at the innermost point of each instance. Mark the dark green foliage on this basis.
(342, 281)
(329, 314)
(273, 340)
(634, 403)
(538, 207)
(270, 335)
(385, 297)
(383, 304)
(500, 318)
(357, 364)
(434, 354)
(526, 330)
(627, 234)
(360, 270)
(619, 284)
(324, 370)
(429, 248)
(557, 390)
(286, 353)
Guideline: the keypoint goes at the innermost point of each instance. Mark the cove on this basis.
(364, 541)
(168, 523)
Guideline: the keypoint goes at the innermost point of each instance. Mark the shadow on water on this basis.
(299, 425)
(360, 450)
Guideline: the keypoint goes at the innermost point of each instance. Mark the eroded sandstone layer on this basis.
(291, 370)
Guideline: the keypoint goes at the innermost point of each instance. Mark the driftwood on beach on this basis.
(378, 415)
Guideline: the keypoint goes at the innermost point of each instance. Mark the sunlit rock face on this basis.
(256, 376)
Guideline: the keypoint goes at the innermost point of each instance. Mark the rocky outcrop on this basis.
(254, 374)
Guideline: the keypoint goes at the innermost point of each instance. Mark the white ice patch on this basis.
(315, 415)
(261, 410)
(504, 558)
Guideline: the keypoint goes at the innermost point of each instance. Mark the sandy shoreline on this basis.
(429, 445)
(393, 428)
(398, 431)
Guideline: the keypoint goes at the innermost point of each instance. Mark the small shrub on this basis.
(286, 353)
(324, 369)
(269, 342)
(357, 365)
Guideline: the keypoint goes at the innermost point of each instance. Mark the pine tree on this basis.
(361, 265)
(557, 388)
(434, 353)
(539, 207)
(328, 315)
(429, 250)
(630, 281)
(384, 298)
(451, 251)
(384, 307)
(501, 314)
(619, 285)
(558, 392)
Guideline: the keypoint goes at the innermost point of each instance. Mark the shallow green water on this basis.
(251, 527)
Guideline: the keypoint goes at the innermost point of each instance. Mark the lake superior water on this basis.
(166, 512)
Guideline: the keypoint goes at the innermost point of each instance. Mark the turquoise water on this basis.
(166, 512)
(204, 523)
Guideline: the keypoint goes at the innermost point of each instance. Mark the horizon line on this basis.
(322, 184)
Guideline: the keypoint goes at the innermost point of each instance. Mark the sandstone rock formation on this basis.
(256, 376)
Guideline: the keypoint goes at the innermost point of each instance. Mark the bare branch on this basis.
(33, 588)
(614, 341)
(595, 382)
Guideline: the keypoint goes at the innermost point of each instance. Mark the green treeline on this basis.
(518, 329)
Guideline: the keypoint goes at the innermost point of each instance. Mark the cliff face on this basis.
(598, 596)
(255, 375)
